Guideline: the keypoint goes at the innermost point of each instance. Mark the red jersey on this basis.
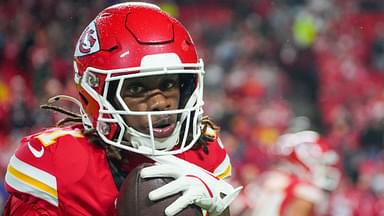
(59, 172)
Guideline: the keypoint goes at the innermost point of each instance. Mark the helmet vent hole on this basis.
(106, 15)
(113, 48)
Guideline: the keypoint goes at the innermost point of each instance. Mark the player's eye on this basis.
(134, 90)
(169, 84)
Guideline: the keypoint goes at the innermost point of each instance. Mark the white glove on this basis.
(199, 186)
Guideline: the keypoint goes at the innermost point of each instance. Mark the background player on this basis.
(298, 183)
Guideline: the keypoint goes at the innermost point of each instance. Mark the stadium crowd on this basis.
(269, 65)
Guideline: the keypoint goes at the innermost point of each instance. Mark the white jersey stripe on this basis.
(224, 169)
(33, 172)
(25, 188)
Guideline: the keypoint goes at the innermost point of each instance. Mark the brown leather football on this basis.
(133, 197)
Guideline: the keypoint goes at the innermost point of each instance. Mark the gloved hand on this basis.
(199, 186)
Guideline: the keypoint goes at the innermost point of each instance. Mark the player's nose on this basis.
(158, 101)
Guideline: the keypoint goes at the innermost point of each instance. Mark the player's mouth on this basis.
(163, 128)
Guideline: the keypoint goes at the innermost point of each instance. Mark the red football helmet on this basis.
(131, 40)
(309, 150)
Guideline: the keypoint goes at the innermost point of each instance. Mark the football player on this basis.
(140, 85)
(299, 182)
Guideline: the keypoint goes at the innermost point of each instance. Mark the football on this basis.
(133, 197)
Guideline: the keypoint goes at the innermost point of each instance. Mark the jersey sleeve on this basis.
(28, 205)
(27, 175)
(223, 169)
(41, 161)
(215, 160)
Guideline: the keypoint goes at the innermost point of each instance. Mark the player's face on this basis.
(152, 93)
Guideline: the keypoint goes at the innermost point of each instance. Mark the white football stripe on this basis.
(160, 60)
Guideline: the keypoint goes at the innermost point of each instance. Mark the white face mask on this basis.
(189, 115)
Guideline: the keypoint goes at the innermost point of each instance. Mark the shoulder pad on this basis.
(46, 158)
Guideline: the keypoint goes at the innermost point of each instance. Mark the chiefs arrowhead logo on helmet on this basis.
(88, 42)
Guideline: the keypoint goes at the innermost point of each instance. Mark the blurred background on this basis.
(271, 67)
